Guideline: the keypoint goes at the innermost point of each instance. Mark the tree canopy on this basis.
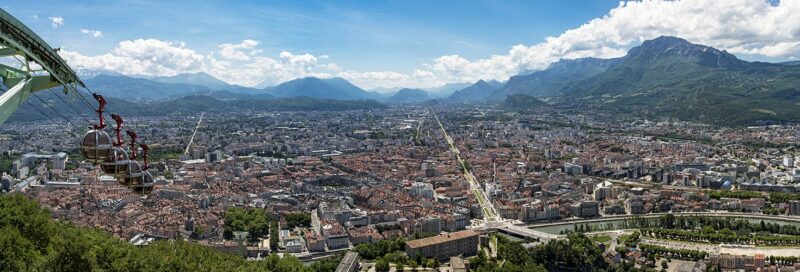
(253, 221)
(300, 219)
(31, 241)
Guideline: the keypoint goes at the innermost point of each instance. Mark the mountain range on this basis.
(197, 79)
(409, 96)
(160, 88)
(330, 88)
(478, 91)
(557, 78)
(671, 77)
(663, 77)
(447, 89)
(42, 106)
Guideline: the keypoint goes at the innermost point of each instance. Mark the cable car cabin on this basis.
(135, 174)
(147, 184)
(116, 163)
(96, 146)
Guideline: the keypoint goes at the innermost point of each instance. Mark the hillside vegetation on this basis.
(31, 241)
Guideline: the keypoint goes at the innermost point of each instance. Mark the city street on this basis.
(489, 213)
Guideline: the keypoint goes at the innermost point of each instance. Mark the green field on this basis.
(601, 239)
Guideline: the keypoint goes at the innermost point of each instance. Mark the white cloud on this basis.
(744, 27)
(375, 79)
(142, 57)
(93, 33)
(266, 70)
(240, 51)
(56, 21)
(748, 28)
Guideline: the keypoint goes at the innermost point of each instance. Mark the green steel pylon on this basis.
(42, 67)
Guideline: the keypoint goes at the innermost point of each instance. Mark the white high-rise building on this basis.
(422, 189)
(788, 161)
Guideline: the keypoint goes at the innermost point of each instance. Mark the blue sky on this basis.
(382, 43)
(400, 34)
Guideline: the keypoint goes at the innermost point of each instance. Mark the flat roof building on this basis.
(457, 264)
(442, 247)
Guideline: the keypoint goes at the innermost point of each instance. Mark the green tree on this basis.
(327, 264)
(273, 235)
(253, 221)
(432, 263)
(667, 221)
(381, 265)
(380, 249)
(24, 246)
(301, 219)
(16, 252)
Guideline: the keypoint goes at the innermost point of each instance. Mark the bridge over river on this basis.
(549, 230)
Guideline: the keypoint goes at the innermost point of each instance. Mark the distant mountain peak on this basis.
(411, 90)
(667, 46)
(667, 40)
(337, 79)
(328, 88)
(447, 89)
(197, 78)
(566, 65)
(482, 84)
(409, 95)
(477, 91)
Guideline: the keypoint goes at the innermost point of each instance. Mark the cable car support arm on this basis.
(18, 41)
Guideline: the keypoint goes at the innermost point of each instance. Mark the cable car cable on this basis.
(57, 112)
(54, 122)
(84, 99)
(47, 117)
(69, 105)
(77, 91)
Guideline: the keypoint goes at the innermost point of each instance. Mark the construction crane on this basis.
(188, 146)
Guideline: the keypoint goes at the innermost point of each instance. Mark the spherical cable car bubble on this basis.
(97, 144)
(147, 182)
(134, 174)
(116, 163)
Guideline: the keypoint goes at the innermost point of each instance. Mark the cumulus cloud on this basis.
(56, 21)
(93, 33)
(748, 28)
(240, 51)
(744, 27)
(142, 57)
(376, 79)
(262, 70)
